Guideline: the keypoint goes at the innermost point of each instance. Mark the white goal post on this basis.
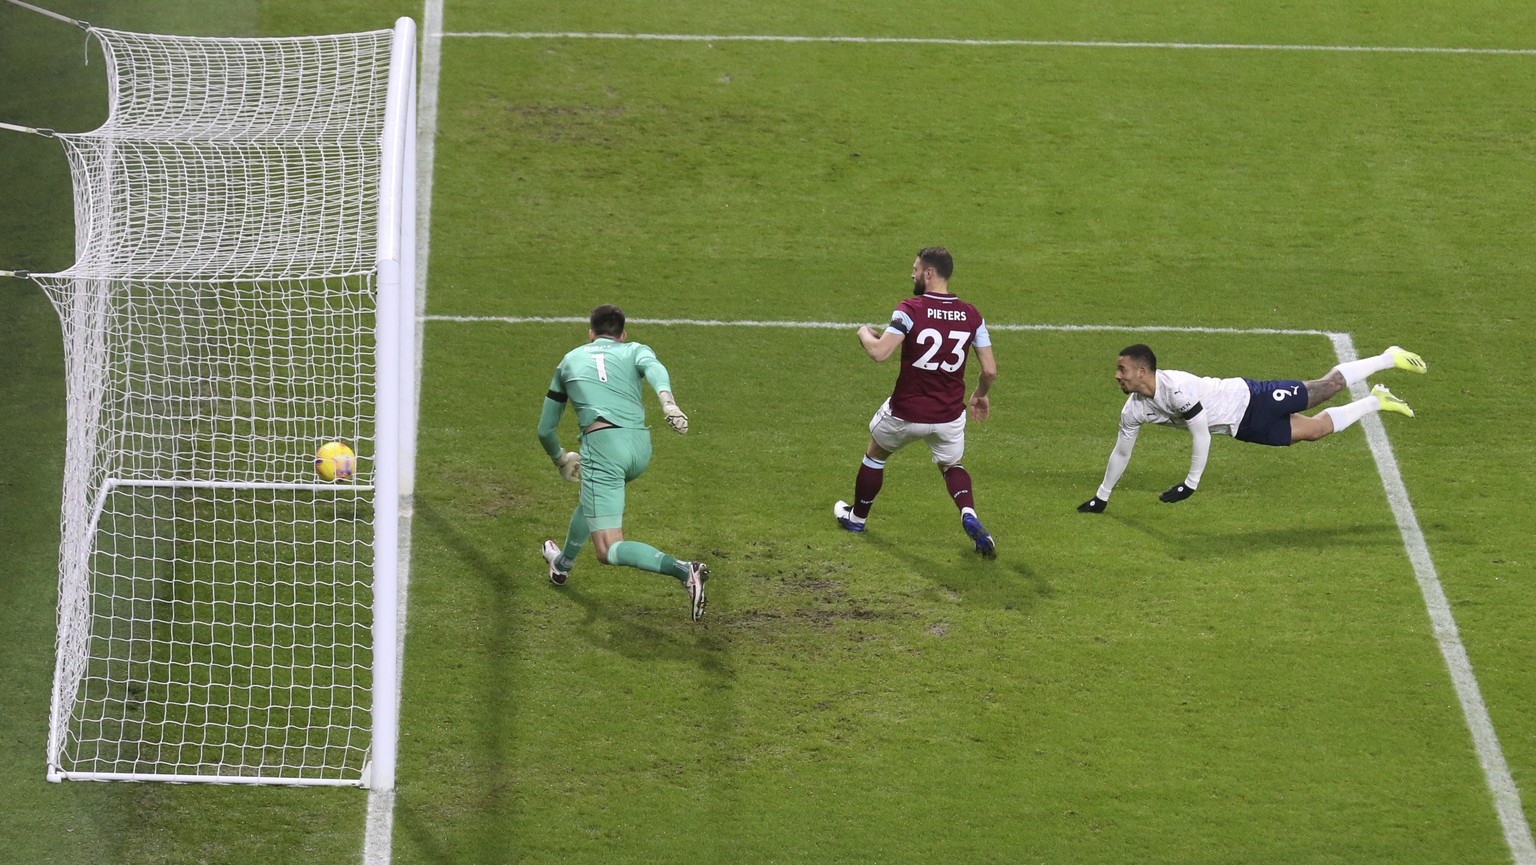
(243, 292)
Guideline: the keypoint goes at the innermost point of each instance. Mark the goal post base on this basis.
(246, 780)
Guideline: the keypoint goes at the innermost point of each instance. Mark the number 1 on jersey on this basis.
(602, 367)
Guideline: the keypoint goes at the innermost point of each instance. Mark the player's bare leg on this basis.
(1332, 420)
(1349, 372)
(1310, 429)
(603, 540)
(1322, 390)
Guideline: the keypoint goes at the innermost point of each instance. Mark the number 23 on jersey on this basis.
(934, 341)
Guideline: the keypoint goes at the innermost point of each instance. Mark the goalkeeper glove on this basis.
(569, 464)
(1178, 493)
(1094, 505)
(675, 418)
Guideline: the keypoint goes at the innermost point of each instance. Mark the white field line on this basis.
(1506, 796)
(996, 43)
(379, 827)
(431, 71)
(851, 325)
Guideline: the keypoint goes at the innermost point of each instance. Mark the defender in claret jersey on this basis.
(935, 331)
(604, 380)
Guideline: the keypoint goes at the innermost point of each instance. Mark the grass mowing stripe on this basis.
(999, 43)
(1506, 796)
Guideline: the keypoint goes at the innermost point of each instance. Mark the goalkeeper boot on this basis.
(698, 575)
(1390, 402)
(1402, 358)
(984, 543)
(552, 555)
(844, 515)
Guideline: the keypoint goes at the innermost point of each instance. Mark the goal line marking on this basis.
(1485, 740)
(996, 43)
(379, 822)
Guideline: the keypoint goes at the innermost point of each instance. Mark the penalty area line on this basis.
(998, 43)
(1501, 784)
(851, 325)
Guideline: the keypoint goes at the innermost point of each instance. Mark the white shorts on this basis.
(946, 440)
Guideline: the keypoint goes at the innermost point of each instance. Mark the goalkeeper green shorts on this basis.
(610, 458)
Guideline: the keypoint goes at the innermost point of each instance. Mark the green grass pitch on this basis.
(1246, 676)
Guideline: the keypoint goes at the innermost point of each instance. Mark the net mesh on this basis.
(230, 634)
(219, 325)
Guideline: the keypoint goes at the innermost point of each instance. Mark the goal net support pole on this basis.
(395, 435)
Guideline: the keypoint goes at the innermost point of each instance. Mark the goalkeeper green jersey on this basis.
(603, 378)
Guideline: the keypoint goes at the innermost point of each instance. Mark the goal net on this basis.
(241, 295)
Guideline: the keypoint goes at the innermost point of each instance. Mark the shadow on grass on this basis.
(496, 705)
(640, 641)
(1007, 582)
(484, 820)
(1222, 543)
(684, 644)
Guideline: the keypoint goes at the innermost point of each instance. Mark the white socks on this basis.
(1358, 370)
(1344, 416)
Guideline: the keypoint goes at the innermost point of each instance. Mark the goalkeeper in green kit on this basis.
(602, 380)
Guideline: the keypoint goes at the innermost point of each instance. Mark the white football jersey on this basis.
(1222, 402)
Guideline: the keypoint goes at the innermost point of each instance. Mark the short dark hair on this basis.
(1141, 354)
(938, 258)
(608, 320)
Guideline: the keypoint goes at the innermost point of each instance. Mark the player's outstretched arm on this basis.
(674, 415)
(1118, 458)
(1200, 451)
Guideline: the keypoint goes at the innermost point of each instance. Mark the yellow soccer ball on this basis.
(335, 462)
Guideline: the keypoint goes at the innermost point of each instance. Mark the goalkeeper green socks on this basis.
(575, 538)
(631, 553)
(647, 558)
